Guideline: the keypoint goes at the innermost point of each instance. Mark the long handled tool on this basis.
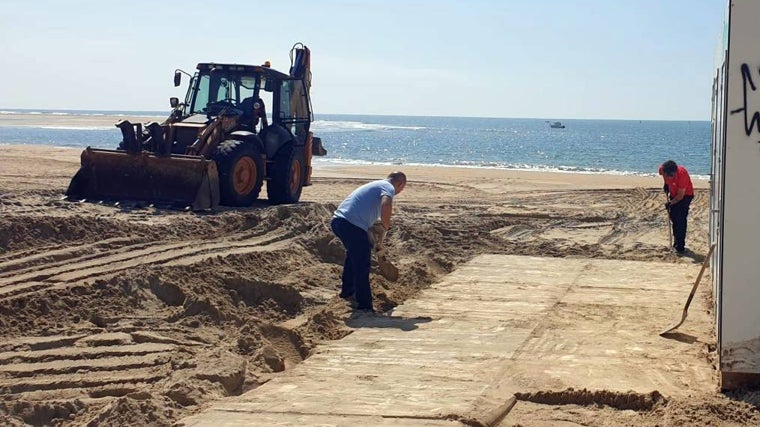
(376, 234)
(670, 221)
(386, 267)
(691, 294)
(670, 229)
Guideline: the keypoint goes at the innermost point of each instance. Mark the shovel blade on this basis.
(387, 269)
(672, 328)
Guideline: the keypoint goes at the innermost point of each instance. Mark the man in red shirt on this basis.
(681, 191)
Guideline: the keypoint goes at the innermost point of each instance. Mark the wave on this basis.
(57, 127)
(349, 126)
(25, 112)
(75, 127)
(497, 165)
(86, 113)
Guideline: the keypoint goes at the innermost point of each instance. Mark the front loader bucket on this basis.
(177, 180)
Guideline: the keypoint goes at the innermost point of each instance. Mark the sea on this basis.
(618, 147)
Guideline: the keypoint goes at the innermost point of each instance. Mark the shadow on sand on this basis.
(680, 337)
(361, 319)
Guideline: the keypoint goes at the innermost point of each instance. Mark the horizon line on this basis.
(162, 113)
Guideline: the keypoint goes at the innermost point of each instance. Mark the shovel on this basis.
(670, 230)
(691, 294)
(376, 234)
(386, 267)
(670, 223)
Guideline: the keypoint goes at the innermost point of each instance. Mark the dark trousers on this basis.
(355, 279)
(678, 214)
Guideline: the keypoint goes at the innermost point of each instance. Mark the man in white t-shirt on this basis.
(351, 222)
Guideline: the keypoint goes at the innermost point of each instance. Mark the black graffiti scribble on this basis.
(753, 122)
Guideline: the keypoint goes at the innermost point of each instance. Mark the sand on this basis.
(130, 315)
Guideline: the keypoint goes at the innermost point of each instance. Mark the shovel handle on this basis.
(699, 276)
(691, 294)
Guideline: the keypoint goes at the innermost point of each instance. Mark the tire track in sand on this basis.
(85, 366)
(74, 265)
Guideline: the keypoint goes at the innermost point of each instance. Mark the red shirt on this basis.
(680, 180)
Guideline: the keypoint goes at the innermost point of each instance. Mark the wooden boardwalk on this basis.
(458, 352)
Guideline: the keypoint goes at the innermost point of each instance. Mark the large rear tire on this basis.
(286, 182)
(241, 172)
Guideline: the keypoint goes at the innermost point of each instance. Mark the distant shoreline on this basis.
(73, 121)
(358, 163)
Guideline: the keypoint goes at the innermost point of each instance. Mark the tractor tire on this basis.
(287, 177)
(241, 172)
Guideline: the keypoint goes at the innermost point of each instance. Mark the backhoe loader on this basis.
(218, 146)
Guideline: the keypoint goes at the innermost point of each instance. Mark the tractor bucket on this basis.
(177, 180)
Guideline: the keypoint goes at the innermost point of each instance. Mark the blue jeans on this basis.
(355, 278)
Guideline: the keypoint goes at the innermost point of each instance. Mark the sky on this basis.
(559, 59)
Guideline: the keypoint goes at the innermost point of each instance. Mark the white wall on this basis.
(739, 286)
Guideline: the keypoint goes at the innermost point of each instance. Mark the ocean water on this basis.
(584, 146)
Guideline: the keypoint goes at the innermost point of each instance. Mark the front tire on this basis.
(286, 183)
(241, 172)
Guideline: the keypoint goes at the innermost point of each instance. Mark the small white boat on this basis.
(556, 125)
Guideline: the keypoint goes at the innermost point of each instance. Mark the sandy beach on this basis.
(228, 300)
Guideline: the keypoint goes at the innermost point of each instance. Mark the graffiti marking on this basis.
(750, 122)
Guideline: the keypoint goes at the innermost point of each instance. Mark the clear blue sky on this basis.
(611, 59)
